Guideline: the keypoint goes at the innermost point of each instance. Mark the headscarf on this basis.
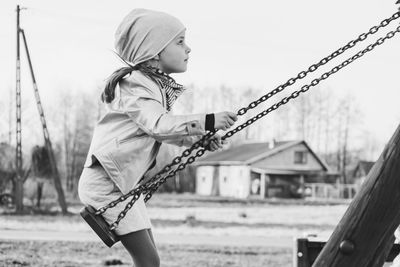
(144, 33)
(141, 36)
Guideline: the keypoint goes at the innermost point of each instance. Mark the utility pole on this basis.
(18, 183)
(48, 145)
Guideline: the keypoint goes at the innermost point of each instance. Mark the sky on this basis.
(241, 44)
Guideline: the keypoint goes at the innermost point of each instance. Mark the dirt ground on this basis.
(227, 220)
(77, 254)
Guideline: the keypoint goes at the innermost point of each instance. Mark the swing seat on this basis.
(99, 225)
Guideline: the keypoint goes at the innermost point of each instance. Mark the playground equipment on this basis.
(347, 246)
(305, 252)
(364, 235)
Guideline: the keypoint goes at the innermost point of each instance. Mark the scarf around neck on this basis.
(172, 89)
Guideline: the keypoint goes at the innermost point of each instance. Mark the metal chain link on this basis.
(152, 185)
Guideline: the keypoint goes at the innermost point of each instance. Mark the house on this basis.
(361, 171)
(276, 169)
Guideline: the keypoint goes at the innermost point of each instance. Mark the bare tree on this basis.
(79, 112)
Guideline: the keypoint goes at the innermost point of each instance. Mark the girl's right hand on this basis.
(224, 120)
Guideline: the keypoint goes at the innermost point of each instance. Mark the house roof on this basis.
(240, 153)
(252, 152)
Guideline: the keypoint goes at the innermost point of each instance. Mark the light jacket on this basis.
(127, 138)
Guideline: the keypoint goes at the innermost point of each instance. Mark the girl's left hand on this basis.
(215, 143)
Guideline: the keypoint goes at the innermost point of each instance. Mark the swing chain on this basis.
(152, 185)
(275, 106)
(255, 103)
(280, 88)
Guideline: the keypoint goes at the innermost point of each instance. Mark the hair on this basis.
(109, 90)
(108, 94)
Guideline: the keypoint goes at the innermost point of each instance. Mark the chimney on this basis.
(271, 143)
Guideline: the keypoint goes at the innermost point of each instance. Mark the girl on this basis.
(127, 138)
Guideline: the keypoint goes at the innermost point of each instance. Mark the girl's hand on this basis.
(215, 143)
(224, 120)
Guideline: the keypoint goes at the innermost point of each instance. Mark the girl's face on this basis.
(174, 57)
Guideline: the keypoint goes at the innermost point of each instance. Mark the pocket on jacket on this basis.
(130, 138)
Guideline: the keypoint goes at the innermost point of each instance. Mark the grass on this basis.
(71, 254)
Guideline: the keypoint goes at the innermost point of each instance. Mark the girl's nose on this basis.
(188, 50)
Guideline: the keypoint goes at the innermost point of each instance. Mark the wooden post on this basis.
(46, 135)
(314, 191)
(364, 235)
(262, 185)
(300, 253)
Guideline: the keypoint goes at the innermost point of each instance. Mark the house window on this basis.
(300, 157)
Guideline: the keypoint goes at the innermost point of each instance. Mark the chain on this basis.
(275, 106)
(152, 185)
(254, 104)
(280, 88)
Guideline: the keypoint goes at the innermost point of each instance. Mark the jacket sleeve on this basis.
(150, 115)
(186, 141)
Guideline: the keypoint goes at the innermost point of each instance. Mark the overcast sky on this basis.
(238, 43)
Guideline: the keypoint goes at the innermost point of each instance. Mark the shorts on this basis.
(96, 189)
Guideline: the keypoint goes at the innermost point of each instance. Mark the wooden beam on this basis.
(306, 251)
(364, 235)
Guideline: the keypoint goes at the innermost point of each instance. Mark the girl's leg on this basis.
(151, 237)
(141, 248)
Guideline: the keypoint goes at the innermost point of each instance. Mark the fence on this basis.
(330, 191)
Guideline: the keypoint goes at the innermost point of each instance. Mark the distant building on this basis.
(361, 171)
(276, 169)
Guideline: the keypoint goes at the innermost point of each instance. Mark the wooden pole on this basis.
(364, 235)
(262, 185)
(50, 152)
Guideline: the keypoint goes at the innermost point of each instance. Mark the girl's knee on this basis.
(141, 248)
(152, 259)
(155, 261)
(149, 261)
